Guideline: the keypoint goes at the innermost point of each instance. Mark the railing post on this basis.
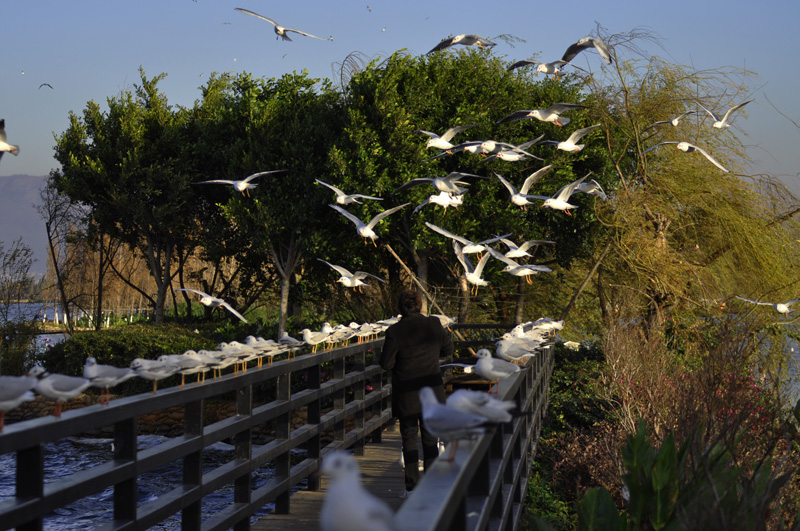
(359, 362)
(283, 429)
(30, 480)
(243, 448)
(314, 445)
(377, 408)
(339, 398)
(192, 463)
(125, 448)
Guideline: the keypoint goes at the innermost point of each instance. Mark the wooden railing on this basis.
(347, 394)
(484, 488)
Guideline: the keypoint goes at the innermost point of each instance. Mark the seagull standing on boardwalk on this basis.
(5, 146)
(348, 506)
(345, 199)
(366, 230)
(58, 387)
(14, 390)
(213, 302)
(244, 186)
(466, 40)
(280, 31)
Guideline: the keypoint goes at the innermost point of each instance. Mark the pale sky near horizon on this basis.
(92, 49)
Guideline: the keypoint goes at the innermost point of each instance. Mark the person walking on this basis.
(411, 351)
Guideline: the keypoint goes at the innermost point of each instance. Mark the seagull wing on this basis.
(252, 14)
(496, 238)
(201, 293)
(419, 206)
(514, 116)
(530, 243)
(500, 256)
(447, 234)
(479, 268)
(565, 193)
(429, 133)
(508, 185)
(713, 115)
(580, 133)
(707, 155)
(734, 109)
(374, 221)
(234, 312)
(348, 215)
(304, 33)
(532, 178)
(412, 182)
(524, 62)
(339, 269)
(453, 131)
(363, 274)
(362, 196)
(755, 302)
(259, 174)
(338, 191)
(558, 108)
(651, 148)
(218, 181)
(442, 45)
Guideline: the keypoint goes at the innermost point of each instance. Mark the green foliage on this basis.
(119, 346)
(699, 486)
(16, 338)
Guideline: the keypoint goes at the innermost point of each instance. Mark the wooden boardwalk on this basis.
(381, 474)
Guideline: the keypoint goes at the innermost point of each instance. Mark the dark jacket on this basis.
(411, 350)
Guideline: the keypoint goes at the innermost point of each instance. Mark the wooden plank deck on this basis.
(381, 474)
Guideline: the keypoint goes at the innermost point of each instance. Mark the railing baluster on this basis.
(125, 449)
(339, 398)
(283, 429)
(30, 480)
(359, 364)
(192, 463)
(243, 449)
(313, 446)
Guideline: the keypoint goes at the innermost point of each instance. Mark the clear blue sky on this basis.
(90, 50)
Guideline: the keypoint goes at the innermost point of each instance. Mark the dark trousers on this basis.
(409, 427)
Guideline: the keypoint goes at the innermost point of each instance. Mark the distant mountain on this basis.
(19, 219)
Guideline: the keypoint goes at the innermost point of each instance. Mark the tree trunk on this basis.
(463, 302)
(422, 276)
(520, 309)
(284, 306)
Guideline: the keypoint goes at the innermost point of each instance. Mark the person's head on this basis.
(409, 302)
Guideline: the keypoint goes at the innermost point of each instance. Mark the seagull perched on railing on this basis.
(213, 302)
(480, 403)
(105, 377)
(493, 369)
(58, 387)
(14, 390)
(280, 31)
(448, 423)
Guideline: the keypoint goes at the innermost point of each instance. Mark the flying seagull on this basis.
(722, 123)
(449, 183)
(280, 31)
(518, 251)
(365, 230)
(469, 246)
(569, 144)
(674, 122)
(345, 199)
(585, 44)
(551, 114)
(445, 199)
(46, 85)
(782, 308)
(560, 201)
(686, 147)
(213, 302)
(443, 141)
(550, 69)
(351, 280)
(471, 273)
(3, 145)
(244, 186)
(466, 40)
(520, 198)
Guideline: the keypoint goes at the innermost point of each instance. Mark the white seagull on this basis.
(520, 198)
(466, 40)
(519, 270)
(449, 183)
(686, 147)
(480, 403)
(105, 377)
(448, 423)
(58, 387)
(585, 44)
(351, 280)
(551, 114)
(783, 308)
(443, 142)
(5, 146)
(348, 506)
(280, 31)
(14, 390)
(520, 251)
(570, 143)
(345, 199)
(722, 123)
(365, 230)
(674, 121)
(550, 69)
(493, 369)
(469, 246)
(560, 201)
(592, 188)
(213, 302)
(244, 186)
(153, 370)
(444, 199)
(472, 273)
